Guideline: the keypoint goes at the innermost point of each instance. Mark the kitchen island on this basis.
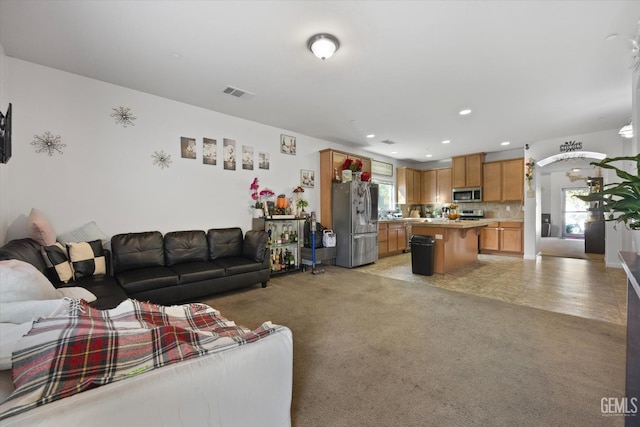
(456, 242)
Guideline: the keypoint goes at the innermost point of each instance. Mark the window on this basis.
(386, 201)
(574, 212)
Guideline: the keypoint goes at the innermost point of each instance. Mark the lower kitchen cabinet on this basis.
(392, 238)
(502, 238)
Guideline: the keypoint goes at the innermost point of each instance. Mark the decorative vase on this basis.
(636, 240)
(258, 213)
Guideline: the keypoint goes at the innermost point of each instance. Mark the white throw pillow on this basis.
(77, 292)
(21, 281)
(10, 334)
(25, 311)
(86, 233)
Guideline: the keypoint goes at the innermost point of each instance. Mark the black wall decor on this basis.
(5, 136)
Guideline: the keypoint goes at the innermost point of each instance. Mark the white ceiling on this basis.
(529, 70)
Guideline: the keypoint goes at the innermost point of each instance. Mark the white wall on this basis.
(106, 173)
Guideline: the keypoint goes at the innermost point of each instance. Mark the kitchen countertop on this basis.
(442, 222)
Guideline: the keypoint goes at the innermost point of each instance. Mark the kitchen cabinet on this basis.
(436, 186)
(409, 182)
(502, 237)
(286, 237)
(392, 238)
(467, 170)
(330, 162)
(503, 181)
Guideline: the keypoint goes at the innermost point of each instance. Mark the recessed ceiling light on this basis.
(446, 141)
(465, 112)
(394, 152)
(371, 135)
(611, 37)
(575, 170)
(505, 143)
(429, 155)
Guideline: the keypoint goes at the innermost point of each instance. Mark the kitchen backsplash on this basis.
(502, 210)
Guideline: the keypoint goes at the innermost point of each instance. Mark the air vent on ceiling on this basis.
(238, 93)
(388, 142)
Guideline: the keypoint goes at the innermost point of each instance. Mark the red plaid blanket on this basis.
(65, 355)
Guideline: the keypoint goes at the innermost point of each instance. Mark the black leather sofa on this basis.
(185, 265)
(178, 267)
(108, 292)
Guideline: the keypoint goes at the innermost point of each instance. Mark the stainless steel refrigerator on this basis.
(355, 222)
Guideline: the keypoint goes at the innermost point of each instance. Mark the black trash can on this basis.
(423, 252)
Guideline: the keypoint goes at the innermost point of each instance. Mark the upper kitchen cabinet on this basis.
(409, 186)
(467, 170)
(503, 181)
(331, 162)
(436, 186)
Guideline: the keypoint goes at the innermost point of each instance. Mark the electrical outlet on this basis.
(508, 208)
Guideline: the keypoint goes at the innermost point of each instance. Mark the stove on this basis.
(471, 214)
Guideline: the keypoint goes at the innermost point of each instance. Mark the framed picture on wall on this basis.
(307, 178)
(247, 157)
(209, 151)
(187, 148)
(288, 144)
(229, 152)
(263, 161)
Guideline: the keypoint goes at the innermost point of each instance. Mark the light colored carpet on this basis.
(370, 350)
(566, 248)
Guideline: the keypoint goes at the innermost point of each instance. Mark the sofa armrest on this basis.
(254, 245)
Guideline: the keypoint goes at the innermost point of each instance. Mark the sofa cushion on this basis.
(237, 265)
(190, 272)
(59, 259)
(137, 250)
(87, 258)
(145, 279)
(224, 242)
(254, 245)
(105, 287)
(185, 246)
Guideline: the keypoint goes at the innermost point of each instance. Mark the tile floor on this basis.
(579, 287)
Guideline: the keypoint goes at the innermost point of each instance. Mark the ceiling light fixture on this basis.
(446, 141)
(371, 135)
(626, 131)
(323, 45)
(465, 112)
(505, 143)
(429, 155)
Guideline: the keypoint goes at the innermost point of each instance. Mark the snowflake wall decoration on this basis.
(123, 115)
(161, 159)
(48, 143)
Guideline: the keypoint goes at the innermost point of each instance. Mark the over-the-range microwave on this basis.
(466, 195)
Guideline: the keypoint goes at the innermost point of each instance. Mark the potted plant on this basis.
(620, 201)
(301, 204)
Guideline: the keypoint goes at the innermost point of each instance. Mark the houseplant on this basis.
(620, 201)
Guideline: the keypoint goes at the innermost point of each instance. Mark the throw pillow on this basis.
(76, 292)
(25, 311)
(86, 233)
(21, 281)
(87, 258)
(10, 334)
(40, 228)
(57, 256)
